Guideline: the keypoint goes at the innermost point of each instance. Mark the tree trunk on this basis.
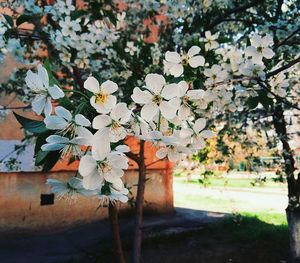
(292, 211)
(293, 218)
(114, 222)
(137, 240)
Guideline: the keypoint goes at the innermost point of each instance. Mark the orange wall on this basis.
(20, 207)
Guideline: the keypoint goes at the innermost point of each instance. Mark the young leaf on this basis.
(52, 79)
(40, 157)
(30, 125)
(9, 20)
(51, 160)
(27, 18)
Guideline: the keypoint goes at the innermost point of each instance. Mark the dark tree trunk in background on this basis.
(114, 222)
(137, 240)
(293, 210)
(293, 218)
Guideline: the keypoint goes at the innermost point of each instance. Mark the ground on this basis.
(249, 226)
(231, 223)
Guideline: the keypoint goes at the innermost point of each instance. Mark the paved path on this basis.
(84, 241)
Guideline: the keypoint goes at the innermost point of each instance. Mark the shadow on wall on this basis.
(21, 209)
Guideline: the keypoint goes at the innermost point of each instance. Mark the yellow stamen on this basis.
(157, 99)
(101, 97)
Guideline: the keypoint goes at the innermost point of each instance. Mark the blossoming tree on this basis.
(214, 67)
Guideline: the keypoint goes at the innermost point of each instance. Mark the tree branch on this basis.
(235, 10)
(281, 99)
(15, 108)
(284, 67)
(133, 156)
(284, 41)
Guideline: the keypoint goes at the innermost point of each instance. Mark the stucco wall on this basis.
(20, 207)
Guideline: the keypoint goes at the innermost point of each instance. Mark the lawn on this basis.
(232, 182)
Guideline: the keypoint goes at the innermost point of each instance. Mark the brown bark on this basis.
(292, 211)
(289, 168)
(114, 222)
(137, 240)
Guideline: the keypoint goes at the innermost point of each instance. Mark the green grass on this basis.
(232, 182)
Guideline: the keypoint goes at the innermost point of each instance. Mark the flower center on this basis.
(260, 49)
(101, 97)
(157, 99)
(115, 125)
(104, 167)
(185, 60)
(185, 100)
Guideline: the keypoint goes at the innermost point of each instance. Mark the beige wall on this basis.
(20, 207)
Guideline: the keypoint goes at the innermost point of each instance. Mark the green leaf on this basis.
(9, 20)
(66, 103)
(77, 13)
(51, 160)
(253, 102)
(30, 125)
(52, 79)
(41, 139)
(264, 99)
(40, 157)
(27, 18)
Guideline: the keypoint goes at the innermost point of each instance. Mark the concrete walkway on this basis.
(85, 240)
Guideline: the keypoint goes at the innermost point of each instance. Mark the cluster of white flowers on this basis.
(166, 113)
(93, 39)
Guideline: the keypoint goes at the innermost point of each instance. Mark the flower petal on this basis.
(101, 121)
(55, 122)
(172, 56)
(92, 182)
(183, 88)
(117, 134)
(155, 82)
(101, 144)
(170, 91)
(195, 94)
(109, 87)
(194, 50)
(176, 70)
(39, 104)
(48, 147)
(63, 113)
(87, 166)
(120, 113)
(55, 92)
(110, 102)
(92, 85)
(57, 139)
(149, 111)
(162, 153)
(199, 125)
(33, 81)
(48, 106)
(43, 74)
(141, 97)
(82, 121)
(207, 134)
(173, 155)
(196, 61)
(168, 108)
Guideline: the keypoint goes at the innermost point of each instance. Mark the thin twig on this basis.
(281, 99)
(16, 108)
